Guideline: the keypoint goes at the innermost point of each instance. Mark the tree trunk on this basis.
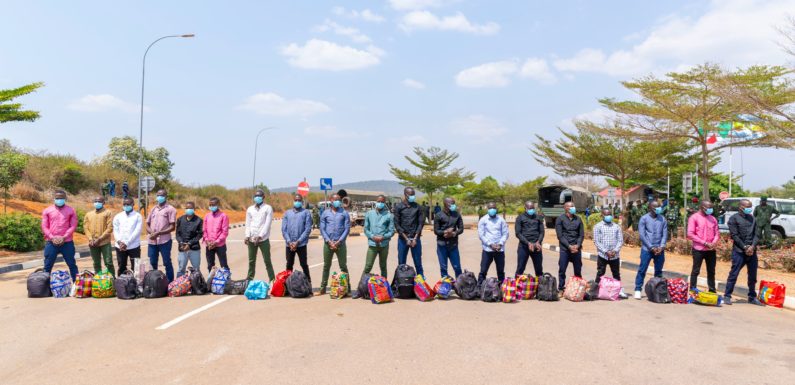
(704, 171)
(625, 219)
(430, 207)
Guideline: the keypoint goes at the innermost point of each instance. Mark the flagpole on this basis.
(731, 158)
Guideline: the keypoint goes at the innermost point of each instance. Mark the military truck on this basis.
(552, 198)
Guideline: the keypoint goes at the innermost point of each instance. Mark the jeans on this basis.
(740, 260)
(446, 253)
(711, 259)
(67, 250)
(416, 254)
(485, 263)
(567, 257)
(646, 256)
(210, 255)
(524, 254)
(98, 254)
(195, 257)
(601, 267)
(164, 249)
(342, 260)
(123, 256)
(301, 251)
(382, 252)
(265, 248)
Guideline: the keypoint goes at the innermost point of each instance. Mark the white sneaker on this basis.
(637, 294)
(622, 295)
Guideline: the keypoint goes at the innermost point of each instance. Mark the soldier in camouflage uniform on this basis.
(765, 214)
(672, 216)
(636, 213)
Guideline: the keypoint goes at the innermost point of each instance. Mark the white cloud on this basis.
(478, 127)
(324, 55)
(537, 69)
(494, 74)
(411, 83)
(410, 5)
(425, 20)
(735, 32)
(366, 14)
(350, 32)
(330, 132)
(103, 102)
(272, 104)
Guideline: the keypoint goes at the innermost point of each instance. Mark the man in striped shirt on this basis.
(608, 238)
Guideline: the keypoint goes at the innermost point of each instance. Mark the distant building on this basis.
(639, 192)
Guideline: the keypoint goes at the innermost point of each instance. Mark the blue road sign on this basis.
(325, 184)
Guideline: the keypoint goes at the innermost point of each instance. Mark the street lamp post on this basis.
(256, 141)
(141, 129)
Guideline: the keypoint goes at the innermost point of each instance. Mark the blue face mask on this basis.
(453, 207)
(60, 202)
(380, 205)
(708, 211)
(572, 210)
(298, 204)
(412, 198)
(337, 204)
(213, 208)
(531, 212)
(658, 210)
(748, 210)
(98, 205)
(258, 200)
(161, 199)
(608, 218)
(492, 212)
(127, 208)
(189, 212)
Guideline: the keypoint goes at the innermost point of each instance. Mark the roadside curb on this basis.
(739, 291)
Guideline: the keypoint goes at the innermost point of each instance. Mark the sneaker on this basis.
(356, 295)
(754, 301)
(637, 294)
(622, 295)
(728, 300)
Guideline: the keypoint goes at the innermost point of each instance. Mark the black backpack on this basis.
(657, 290)
(548, 288)
(592, 291)
(198, 286)
(155, 284)
(466, 286)
(490, 290)
(39, 284)
(126, 286)
(364, 291)
(235, 287)
(403, 283)
(298, 285)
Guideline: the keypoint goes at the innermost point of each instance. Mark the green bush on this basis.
(72, 178)
(20, 232)
(80, 216)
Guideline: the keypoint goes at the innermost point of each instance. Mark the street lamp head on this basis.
(188, 35)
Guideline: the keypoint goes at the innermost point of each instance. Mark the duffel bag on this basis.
(339, 285)
(257, 289)
(422, 290)
(220, 278)
(490, 290)
(526, 286)
(39, 284)
(772, 293)
(155, 284)
(591, 291)
(198, 286)
(403, 282)
(102, 285)
(705, 298)
(279, 288)
(678, 290)
(380, 290)
(657, 290)
(60, 283)
(508, 290)
(364, 292)
(298, 285)
(180, 286)
(238, 287)
(466, 286)
(548, 288)
(126, 286)
(83, 284)
(609, 289)
(575, 289)
(444, 287)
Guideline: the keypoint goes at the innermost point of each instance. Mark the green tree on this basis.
(435, 171)
(13, 112)
(12, 167)
(124, 154)
(72, 179)
(690, 106)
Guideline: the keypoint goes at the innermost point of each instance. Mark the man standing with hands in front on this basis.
(702, 230)
(493, 233)
(448, 225)
(653, 231)
(58, 224)
(742, 227)
(189, 234)
(127, 233)
(530, 231)
(296, 226)
(571, 232)
(216, 229)
(98, 227)
(335, 224)
(258, 231)
(408, 224)
(159, 225)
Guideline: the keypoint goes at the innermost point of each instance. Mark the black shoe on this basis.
(356, 295)
(727, 300)
(754, 301)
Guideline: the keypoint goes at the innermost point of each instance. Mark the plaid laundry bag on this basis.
(102, 285)
(380, 289)
(60, 283)
(508, 289)
(83, 284)
(422, 290)
(677, 290)
(444, 287)
(179, 286)
(772, 293)
(339, 285)
(526, 287)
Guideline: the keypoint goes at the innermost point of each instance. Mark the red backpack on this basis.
(279, 288)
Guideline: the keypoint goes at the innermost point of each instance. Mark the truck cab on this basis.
(552, 198)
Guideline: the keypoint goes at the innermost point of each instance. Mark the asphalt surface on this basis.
(319, 340)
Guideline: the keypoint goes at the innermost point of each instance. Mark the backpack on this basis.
(221, 276)
(257, 290)
(657, 290)
(444, 287)
(279, 288)
(60, 284)
(82, 286)
(677, 290)
(609, 288)
(526, 287)
(155, 284)
(466, 286)
(490, 290)
(179, 286)
(339, 285)
(198, 286)
(298, 285)
(39, 284)
(102, 285)
(403, 283)
(233, 287)
(364, 292)
(422, 290)
(591, 291)
(575, 289)
(772, 293)
(508, 290)
(548, 288)
(379, 289)
(126, 286)
(705, 298)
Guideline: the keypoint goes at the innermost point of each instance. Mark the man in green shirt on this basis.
(764, 215)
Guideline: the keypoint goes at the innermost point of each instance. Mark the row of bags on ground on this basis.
(661, 290)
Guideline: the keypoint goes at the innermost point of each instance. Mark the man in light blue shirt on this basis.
(493, 233)
(334, 227)
(379, 227)
(653, 230)
(296, 226)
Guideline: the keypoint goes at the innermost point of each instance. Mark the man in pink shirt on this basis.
(58, 223)
(159, 225)
(216, 229)
(702, 230)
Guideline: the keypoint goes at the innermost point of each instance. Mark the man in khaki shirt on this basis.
(98, 226)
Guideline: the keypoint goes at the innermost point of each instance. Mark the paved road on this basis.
(320, 340)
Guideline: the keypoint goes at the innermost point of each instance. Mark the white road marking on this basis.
(193, 312)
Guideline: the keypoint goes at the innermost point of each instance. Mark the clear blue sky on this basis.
(353, 85)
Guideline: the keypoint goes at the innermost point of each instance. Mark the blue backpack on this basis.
(60, 284)
(219, 280)
(257, 290)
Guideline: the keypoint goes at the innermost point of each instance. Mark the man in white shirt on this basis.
(258, 231)
(127, 232)
(493, 233)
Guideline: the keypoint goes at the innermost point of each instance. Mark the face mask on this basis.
(213, 208)
(492, 212)
(748, 210)
(189, 212)
(658, 210)
(298, 204)
(708, 211)
(608, 218)
(380, 205)
(258, 200)
(531, 212)
(60, 202)
(127, 208)
(453, 208)
(572, 210)
(412, 198)
(337, 204)
(161, 199)
(98, 205)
